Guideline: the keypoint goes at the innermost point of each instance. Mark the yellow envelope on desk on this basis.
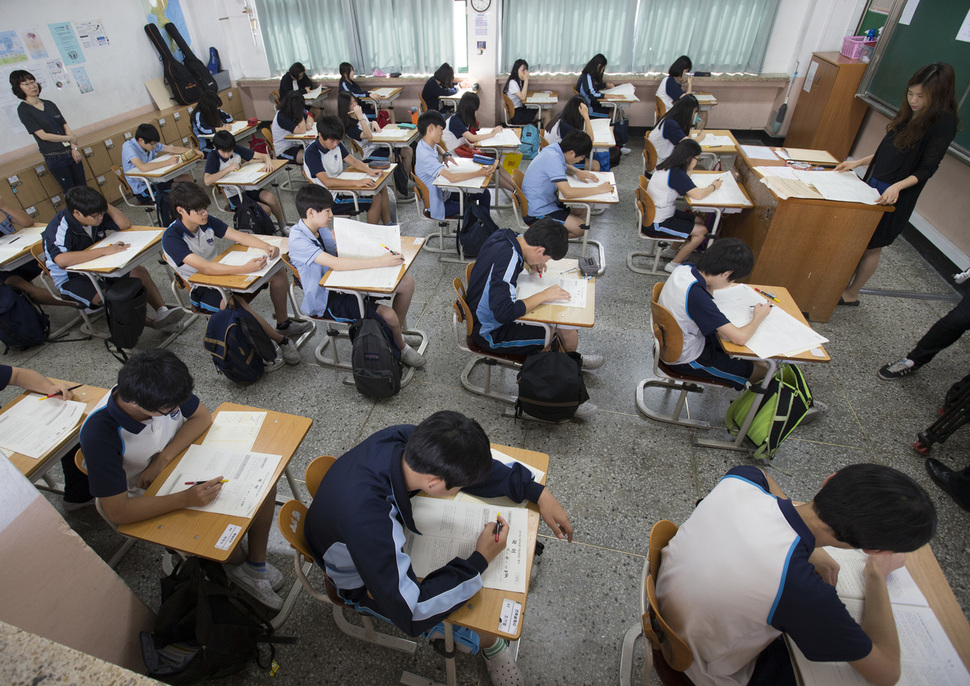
(511, 162)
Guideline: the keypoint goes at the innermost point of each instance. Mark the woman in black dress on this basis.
(909, 154)
(54, 137)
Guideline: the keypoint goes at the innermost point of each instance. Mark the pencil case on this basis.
(404, 125)
(483, 160)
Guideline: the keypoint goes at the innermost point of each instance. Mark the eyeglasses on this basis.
(201, 212)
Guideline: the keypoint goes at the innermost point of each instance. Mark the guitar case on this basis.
(196, 66)
(185, 89)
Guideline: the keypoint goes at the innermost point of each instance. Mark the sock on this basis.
(406, 347)
(285, 341)
(256, 566)
(584, 227)
(500, 645)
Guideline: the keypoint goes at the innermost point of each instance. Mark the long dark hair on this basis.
(939, 85)
(345, 69)
(445, 75)
(208, 109)
(682, 112)
(570, 114)
(680, 65)
(293, 106)
(344, 100)
(596, 66)
(467, 107)
(514, 76)
(682, 154)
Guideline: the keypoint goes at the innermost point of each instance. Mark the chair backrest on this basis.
(291, 520)
(356, 148)
(648, 210)
(423, 106)
(274, 97)
(421, 191)
(518, 176)
(519, 199)
(660, 107)
(79, 462)
(662, 638)
(37, 250)
(462, 311)
(542, 138)
(666, 330)
(649, 156)
(468, 272)
(122, 181)
(267, 135)
(509, 108)
(285, 257)
(315, 472)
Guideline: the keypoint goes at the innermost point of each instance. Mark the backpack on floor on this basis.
(400, 176)
(551, 385)
(249, 217)
(239, 347)
(786, 402)
(375, 358)
(125, 308)
(204, 630)
(23, 324)
(530, 140)
(476, 227)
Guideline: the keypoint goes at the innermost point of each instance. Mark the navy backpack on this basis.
(23, 324)
(239, 347)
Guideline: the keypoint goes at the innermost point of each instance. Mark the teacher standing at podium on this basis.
(909, 154)
(47, 125)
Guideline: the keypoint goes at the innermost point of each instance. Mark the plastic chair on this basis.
(519, 201)
(334, 329)
(267, 135)
(423, 106)
(312, 179)
(667, 653)
(509, 109)
(129, 542)
(668, 343)
(86, 320)
(659, 109)
(291, 521)
(422, 200)
(649, 156)
(125, 190)
(648, 231)
(274, 97)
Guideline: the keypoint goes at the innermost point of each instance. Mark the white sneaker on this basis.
(272, 574)
(166, 316)
(412, 339)
(586, 410)
(291, 354)
(412, 358)
(817, 409)
(671, 266)
(502, 669)
(669, 253)
(593, 361)
(260, 589)
(625, 150)
(274, 365)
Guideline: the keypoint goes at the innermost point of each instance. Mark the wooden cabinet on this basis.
(828, 117)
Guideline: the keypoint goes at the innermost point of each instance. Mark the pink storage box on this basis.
(852, 46)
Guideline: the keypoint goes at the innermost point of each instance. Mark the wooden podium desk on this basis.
(811, 247)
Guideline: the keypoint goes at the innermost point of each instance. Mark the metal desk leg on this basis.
(410, 679)
(738, 442)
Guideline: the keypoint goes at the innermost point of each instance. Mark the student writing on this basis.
(460, 135)
(226, 157)
(23, 276)
(140, 153)
(428, 166)
(674, 126)
(292, 117)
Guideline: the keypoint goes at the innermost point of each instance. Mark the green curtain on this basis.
(313, 32)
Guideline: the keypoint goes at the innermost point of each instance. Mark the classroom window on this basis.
(459, 30)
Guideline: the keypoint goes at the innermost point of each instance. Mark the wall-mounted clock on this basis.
(481, 5)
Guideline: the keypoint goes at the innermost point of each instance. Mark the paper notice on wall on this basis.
(66, 42)
(810, 76)
(481, 25)
(59, 76)
(34, 43)
(11, 48)
(91, 34)
(908, 11)
(81, 78)
(964, 32)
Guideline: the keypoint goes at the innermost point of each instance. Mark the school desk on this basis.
(199, 533)
(720, 208)
(499, 149)
(316, 97)
(617, 101)
(239, 130)
(726, 154)
(454, 98)
(15, 247)
(544, 100)
(382, 98)
(307, 136)
(587, 204)
(706, 102)
(483, 611)
(245, 183)
(395, 136)
(788, 304)
(566, 315)
(810, 246)
(380, 182)
(165, 174)
(35, 469)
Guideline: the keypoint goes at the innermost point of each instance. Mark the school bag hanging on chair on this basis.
(476, 227)
(529, 142)
(551, 385)
(787, 400)
(23, 324)
(249, 217)
(375, 358)
(125, 306)
(239, 347)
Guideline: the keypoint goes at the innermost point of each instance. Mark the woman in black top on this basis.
(295, 79)
(54, 137)
(909, 154)
(441, 83)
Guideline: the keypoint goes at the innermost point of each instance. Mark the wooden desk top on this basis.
(227, 180)
(197, 532)
(482, 611)
(153, 243)
(410, 247)
(621, 99)
(27, 238)
(542, 98)
(233, 282)
(394, 134)
(388, 93)
(702, 203)
(164, 172)
(239, 128)
(929, 577)
(442, 182)
(789, 305)
(89, 395)
(379, 181)
(705, 99)
(699, 137)
(567, 315)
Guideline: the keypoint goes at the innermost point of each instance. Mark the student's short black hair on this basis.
(148, 133)
(85, 200)
(223, 140)
(682, 112)
(427, 119)
(296, 70)
(680, 65)
(577, 141)
(313, 197)
(155, 380)
(876, 507)
(681, 155)
(329, 128)
(468, 108)
(445, 74)
(549, 234)
(727, 255)
(188, 196)
(451, 446)
(293, 106)
(17, 77)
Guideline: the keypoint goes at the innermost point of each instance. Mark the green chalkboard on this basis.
(931, 36)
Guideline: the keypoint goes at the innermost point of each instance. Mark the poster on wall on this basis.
(59, 76)
(80, 75)
(161, 12)
(34, 43)
(66, 43)
(91, 34)
(11, 49)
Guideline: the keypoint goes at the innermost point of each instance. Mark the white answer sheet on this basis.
(530, 284)
(34, 426)
(759, 152)
(136, 240)
(234, 430)
(778, 334)
(237, 258)
(601, 177)
(246, 175)
(851, 584)
(460, 165)
(503, 138)
(361, 241)
(728, 194)
(709, 140)
(622, 89)
(842, 186)
(13, 243)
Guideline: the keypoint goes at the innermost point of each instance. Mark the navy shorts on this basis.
(290, 153)
(560, 215)
(27, 272)
(517, 339)
(79, 287)
(681, 223)
(343, 205)
(343, 307)
(714, 363)
(206, 299)
(233, 199)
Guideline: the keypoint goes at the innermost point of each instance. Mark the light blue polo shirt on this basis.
(427, 167)
(539, 184)
(304, 248)
(131, 150)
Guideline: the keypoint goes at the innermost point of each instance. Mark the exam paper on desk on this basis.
(622, 89)
(246, 175)
(237, 258)
(759, 152)
(364, 241)
(727, 194)
(381, 93)
(235, 431)
(166, 169)
(851, 584)
(778, 334)
(34, 426)
(709, 140)
(839, 186)
(13, 243)
(601, 177)
(136, 240)
(503, 138)
(450, 529)
(531, 284)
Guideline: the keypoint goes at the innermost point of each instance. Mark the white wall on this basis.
(231, 33)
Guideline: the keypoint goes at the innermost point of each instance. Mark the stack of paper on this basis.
(602, 133)
(779, 334)
(806, 155)
(709, 140)
(175, 160)
(13, 243)
(562, 273)
(35, 425)
(313, 93)
(237, 126)
(729, 194)
(136, 240)
(841, 186)
(601, 177)
(362, 241)
(392, 133)
(502, 138)
(625, 89)
(759, 152)
(245, 176)
(461, 165)
(542, 98)
(381, 93)
(785, 188)
(238, 258)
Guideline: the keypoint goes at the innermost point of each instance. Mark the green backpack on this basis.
(786, 402)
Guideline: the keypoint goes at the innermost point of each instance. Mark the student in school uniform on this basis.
(671, 88)
(546, 178)
(441, 83)
(23, 276)
(674, 126)
(348, 85)
(356, 525)
(326, 158)
(575, 117)
(225, 157)
(291, 117)
(87, 219)
(138, 428)
(517, 88)
(590, 85)
(189, 246)
(138, 154)
(208, 118)
(670, 181)
(295, 79)
(427, 167)
(749, 568)
(76, 492)
(313, 252)
(362, 130)
(460, 136)
(44, 121)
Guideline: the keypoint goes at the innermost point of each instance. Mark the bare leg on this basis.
(760, 369)
(259, 531)
(390, 318)
(569, 338)
(271, 203)
(691, 244)
(406, 156)
(154, 297)
(278, 290)
(573, 222)
(270, 331)
(865, 270)
(402, 299)
(38, 294)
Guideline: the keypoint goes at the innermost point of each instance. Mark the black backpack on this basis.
(249, 217)
(475, 229)
(551, 385)
(126, 305)
(203, 629)
(239, 347)
(375, 358)
(23, 324)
